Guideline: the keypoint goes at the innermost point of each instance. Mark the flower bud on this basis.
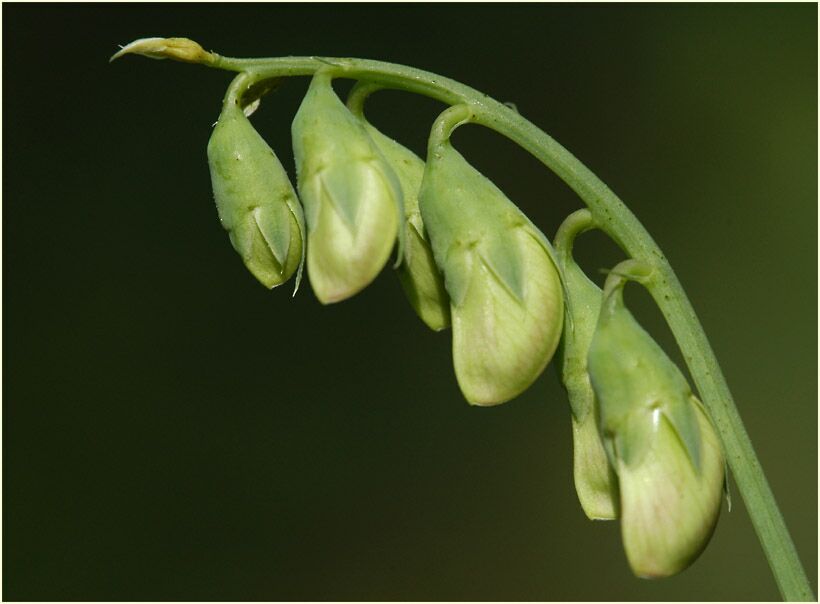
(255, 199)
(178, 49)
(420, 278)
(664, 448)
(505, 293)
(595, 481)
(351, 195)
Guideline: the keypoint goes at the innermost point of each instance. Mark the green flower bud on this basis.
(670, 509)
(351, 195)
(255, 199)
(420, 278)
(660, 441)
(595, 481)
(505, 293)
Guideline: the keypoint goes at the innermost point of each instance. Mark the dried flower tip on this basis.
(178, 49)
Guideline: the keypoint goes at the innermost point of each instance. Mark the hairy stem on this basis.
(613, 217)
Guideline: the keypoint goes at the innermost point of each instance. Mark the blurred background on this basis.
(173, 431)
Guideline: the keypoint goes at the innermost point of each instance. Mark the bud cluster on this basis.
(645, 450)
(467, 257)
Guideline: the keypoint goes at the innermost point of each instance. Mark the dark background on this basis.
(172, 430)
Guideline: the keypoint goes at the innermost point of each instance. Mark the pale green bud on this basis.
(595, 481)
(664, 448)
(669, 508)
(505, 293)
(255, 199)
(420, 278)
(352, 197)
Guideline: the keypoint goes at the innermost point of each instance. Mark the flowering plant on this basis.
(647, 451)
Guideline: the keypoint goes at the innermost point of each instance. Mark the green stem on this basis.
(358, 95)
(576, 223)
(614, 218)
(445, 124)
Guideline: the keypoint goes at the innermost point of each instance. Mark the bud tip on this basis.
(178, 49)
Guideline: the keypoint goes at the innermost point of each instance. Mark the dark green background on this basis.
(172, 430)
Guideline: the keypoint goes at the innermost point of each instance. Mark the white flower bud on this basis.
(351, 196)
(660, 441)
(506, 300)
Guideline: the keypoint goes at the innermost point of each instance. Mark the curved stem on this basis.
(628, 270)
(614, 218)
(443, 127)
(576, 223)
(358, 95)
(234, 92)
